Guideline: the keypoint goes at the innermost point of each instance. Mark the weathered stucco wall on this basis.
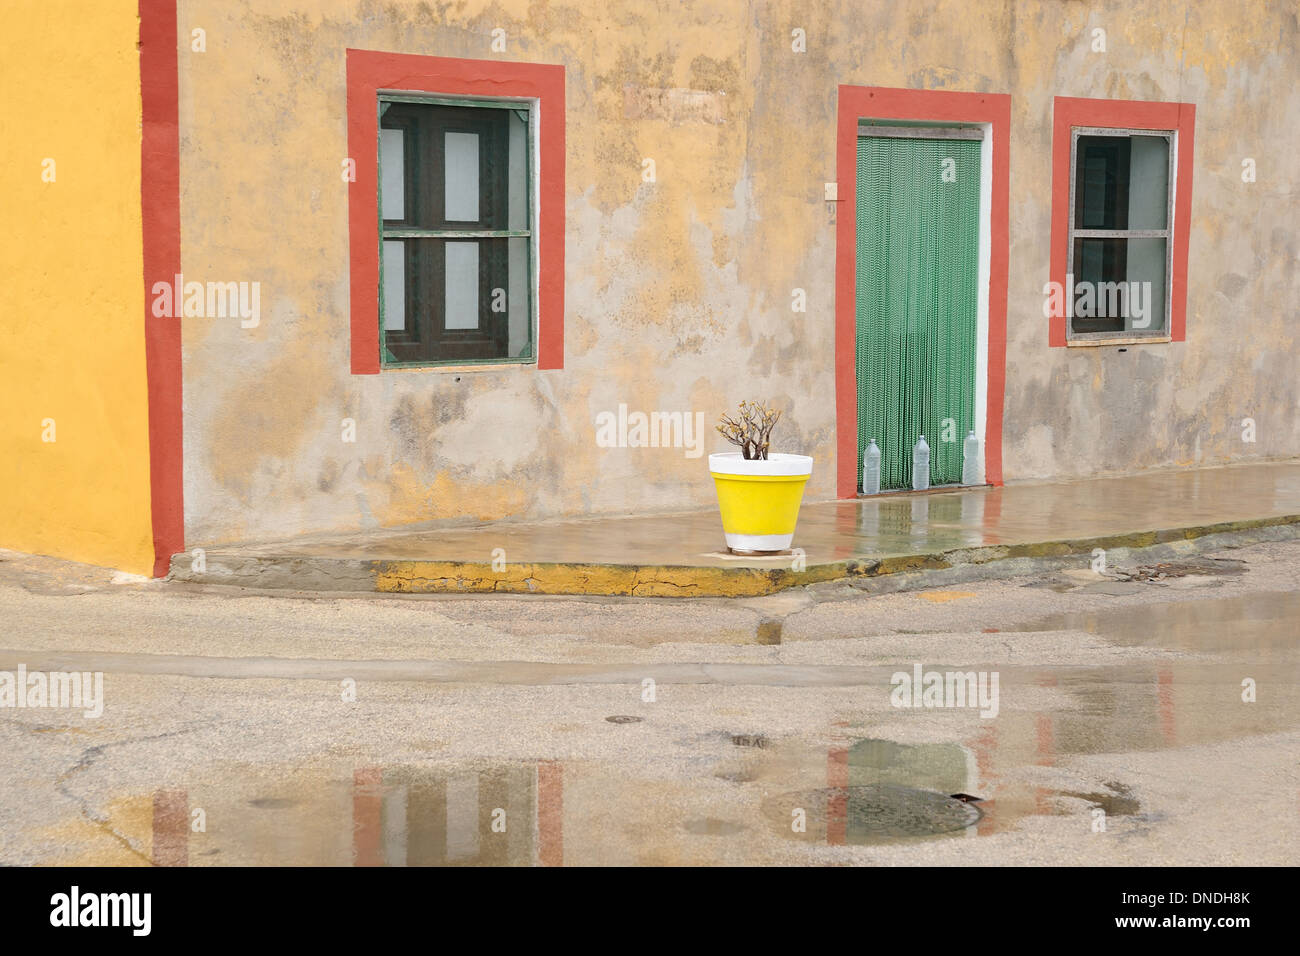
(678, 293)
(74, 463)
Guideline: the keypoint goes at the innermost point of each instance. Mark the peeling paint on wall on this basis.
(678, 292)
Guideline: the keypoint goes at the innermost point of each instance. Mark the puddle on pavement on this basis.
(535, 813)
(1248, 622)
(865, 792)
(881, 793)
(739, 806)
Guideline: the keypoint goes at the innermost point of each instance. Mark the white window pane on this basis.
(462, 285)
(519, 318)
(518, 170)
(394, 285)
(1148, 190)
(461, 185)
(1146, 276)
(392, 183)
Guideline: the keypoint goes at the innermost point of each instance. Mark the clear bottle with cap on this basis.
(871, 469)
(920, 465)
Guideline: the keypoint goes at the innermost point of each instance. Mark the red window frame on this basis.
(1069, 112)
(370, 72)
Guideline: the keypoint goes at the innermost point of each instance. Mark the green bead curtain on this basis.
(918, 267)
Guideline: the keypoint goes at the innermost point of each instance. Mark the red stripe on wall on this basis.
(941, 106)
(160, 208)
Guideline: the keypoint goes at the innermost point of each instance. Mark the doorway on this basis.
(920, 319)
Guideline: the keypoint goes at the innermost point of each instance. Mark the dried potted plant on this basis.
(759, 491)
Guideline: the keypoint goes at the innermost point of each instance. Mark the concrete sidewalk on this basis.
(682, 555)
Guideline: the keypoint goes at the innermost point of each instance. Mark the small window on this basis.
(456, 232)
(1121, 239)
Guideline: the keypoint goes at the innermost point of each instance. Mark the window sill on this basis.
(1131, 340)
(479, 367)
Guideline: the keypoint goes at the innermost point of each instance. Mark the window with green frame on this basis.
(456, 231)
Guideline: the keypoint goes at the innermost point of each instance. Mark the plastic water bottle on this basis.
(920, 465)
(971, 472)
(871, 469)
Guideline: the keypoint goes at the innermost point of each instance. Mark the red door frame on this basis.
(939, 106)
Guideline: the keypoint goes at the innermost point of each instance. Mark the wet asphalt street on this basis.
(1144, 716)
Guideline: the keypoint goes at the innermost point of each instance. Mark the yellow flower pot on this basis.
(759, 500)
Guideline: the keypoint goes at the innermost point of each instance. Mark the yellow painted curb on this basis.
(452, 577)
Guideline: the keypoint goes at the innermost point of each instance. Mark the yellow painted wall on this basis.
(71, 287)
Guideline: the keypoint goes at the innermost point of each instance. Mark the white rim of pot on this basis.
(777, 464)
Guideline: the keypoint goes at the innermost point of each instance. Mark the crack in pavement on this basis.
(99, 820)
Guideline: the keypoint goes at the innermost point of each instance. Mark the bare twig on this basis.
(751, 430)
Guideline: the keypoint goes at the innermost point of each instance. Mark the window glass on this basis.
(392, 150)
(456, 233)
(1119, 233)
(462, 275)
(394, 285)
(461, 187)
(1148, 204)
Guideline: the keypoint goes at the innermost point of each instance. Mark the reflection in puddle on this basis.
(868, 792)
(380, 817)
(877, 813)
(406, 817)
(872, 791)
(1250, 622)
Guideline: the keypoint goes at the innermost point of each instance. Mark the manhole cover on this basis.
(624, 719)
(871, 813)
